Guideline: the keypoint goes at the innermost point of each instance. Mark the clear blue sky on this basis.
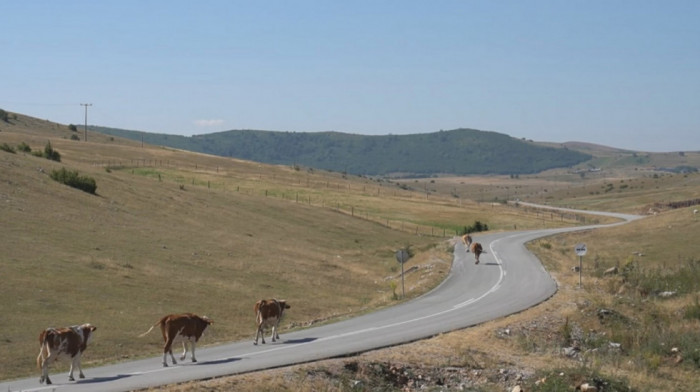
(620, 73)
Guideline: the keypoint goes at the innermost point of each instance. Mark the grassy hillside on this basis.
(171, 231)
(459, 151)
(174, 231)
(634, 330)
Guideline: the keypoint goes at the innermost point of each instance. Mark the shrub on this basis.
(24, 147)
(4, 116)
(73, 179)
(476, 227)
(73, 128)
(50, 153)
(567, 379)
(7, 147)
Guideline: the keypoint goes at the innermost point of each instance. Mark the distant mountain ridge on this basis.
(458, 152)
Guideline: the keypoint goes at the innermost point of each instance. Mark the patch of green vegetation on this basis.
(458, 151)
(7, 148)
(24, 147)
(558, 379)
(50, 153)
(73, 179)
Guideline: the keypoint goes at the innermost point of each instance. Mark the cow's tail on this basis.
(149, 330)
(258, 310)
(43, 337)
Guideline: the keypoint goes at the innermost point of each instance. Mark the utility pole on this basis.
(86, 106)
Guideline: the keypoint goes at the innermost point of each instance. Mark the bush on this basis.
(476, 227)
(73, 128)
(4, 116)
(7, 147)
(24, 147)
(71, 178)
(50, 153)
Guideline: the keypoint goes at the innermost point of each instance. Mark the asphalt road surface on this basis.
(507, 280)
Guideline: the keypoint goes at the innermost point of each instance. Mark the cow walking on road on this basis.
(185, 328)
(55, 342)
(477, 250)
(268, 314)
(467, 239)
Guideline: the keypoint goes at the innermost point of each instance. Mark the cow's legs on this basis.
(168, 348)
(45, 366)
(184, 350)
(193, 357)
(75, 363)
(275, 334)
(44, 369)
(259, 333)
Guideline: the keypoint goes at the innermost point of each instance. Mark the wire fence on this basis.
(225, 179)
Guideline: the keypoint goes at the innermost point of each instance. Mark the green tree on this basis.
(50, 153)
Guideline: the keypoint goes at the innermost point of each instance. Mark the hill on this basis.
(457, 152)
(170, 230)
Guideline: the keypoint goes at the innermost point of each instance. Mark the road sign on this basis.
(401, 256)
(580, 249)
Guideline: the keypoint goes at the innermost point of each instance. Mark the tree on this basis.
(50, 153)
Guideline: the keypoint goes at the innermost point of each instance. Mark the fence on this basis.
(306, 180)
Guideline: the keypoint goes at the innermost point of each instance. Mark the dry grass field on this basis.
(617, 331)
(172, 231)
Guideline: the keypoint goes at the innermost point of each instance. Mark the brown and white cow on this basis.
(185, 328)
(477, 250)
(467, 239)
(268, 314)
(55, 342)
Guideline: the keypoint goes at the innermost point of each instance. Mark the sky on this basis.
(619, 73)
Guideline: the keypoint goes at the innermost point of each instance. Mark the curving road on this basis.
(508, 279)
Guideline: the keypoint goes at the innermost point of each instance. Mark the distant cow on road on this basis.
(186, 327)
(467, 239)
(477, 250)
(70, 341)
(268, 314)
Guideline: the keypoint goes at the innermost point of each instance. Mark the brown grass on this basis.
(172, 231)
(495, 355)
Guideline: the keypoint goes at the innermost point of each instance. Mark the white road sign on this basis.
(580, 249)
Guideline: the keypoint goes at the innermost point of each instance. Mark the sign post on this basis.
(402, 256)
(580, 250)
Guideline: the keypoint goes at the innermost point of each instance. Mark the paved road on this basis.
(508, 279)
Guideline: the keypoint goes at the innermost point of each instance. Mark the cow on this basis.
(467, 239)
(55, 342)
(477, 250)
(269, 313)
(185, 327)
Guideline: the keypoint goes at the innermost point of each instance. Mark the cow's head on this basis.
(87, 330)
(283, 304)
